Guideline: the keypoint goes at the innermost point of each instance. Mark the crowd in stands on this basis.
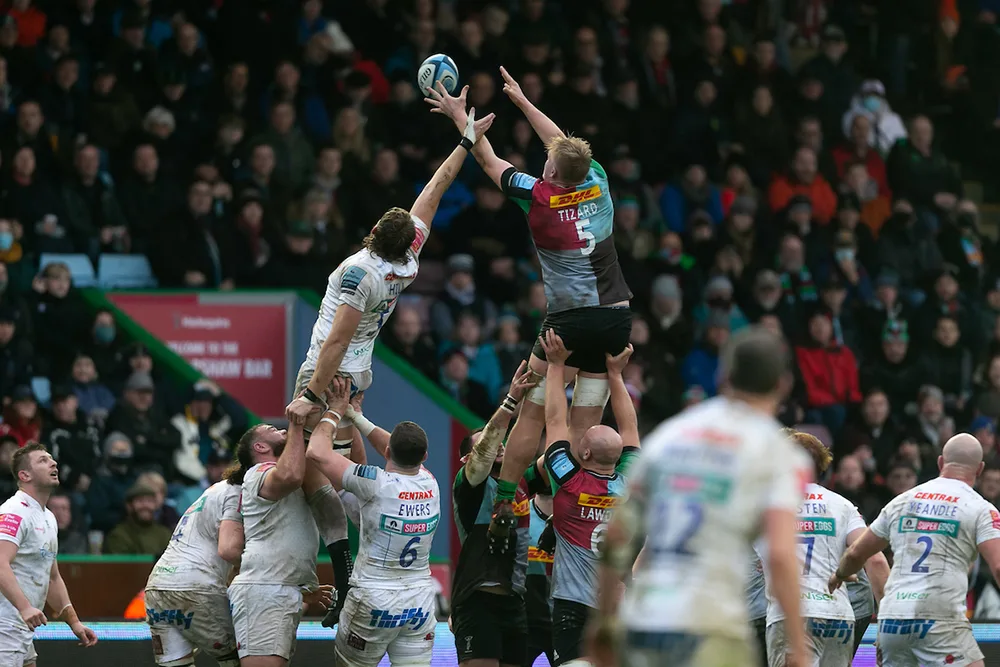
(797, 164)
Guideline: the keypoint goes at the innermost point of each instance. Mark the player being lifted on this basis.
(360, 297)
(708, 481)
(390, 608)
(571, 218)
(937, 531)
(29, 574)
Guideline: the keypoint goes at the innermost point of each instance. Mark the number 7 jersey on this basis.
(935, 531)
(573, 231)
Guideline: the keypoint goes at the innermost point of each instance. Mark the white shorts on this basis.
(183, 622)
(265, 618)
(16, 646)
(379, 621)
(360, 380)
(830, 642)
(905, 643)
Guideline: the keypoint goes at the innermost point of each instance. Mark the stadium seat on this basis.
(80, 267)
(42, 389)
(124, 272)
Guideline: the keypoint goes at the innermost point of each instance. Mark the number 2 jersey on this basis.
(582, 502)
(824, 521)
(705, 480)
(371, 285)
(573, 231)
(192, 559)
(399, 515)
(935, 531)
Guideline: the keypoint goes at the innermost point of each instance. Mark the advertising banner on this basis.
(242, 347)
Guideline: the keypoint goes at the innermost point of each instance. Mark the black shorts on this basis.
(539, 643)
(569, 620)
(490, 627)
(589, 333)
(760, 632)
(860, 625)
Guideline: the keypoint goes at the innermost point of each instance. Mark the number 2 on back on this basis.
(917, 564)
(582, 231)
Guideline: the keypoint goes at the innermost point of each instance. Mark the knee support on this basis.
(591, 392)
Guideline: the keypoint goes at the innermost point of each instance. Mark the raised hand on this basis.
(617, 363)
(475, 129)
(338, 395)
(512, 88)
(555, 349)
(523, 380)
(448, 105)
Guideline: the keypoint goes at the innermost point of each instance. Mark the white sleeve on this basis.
(423, 231)
(254, 480)
(881, 525)
(231, 505)
(791, 473)
(987, 524)
(364, 481)
(12, 528)
(356, 287)
(854, 519)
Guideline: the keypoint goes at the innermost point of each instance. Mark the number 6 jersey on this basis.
(935, 531)
(399, 515)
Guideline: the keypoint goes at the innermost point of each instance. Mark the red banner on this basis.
(241, 347)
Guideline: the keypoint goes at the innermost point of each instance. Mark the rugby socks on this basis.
(343, 566)
(505, 490)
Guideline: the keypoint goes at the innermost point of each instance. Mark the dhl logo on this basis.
(536, 555)
(603, 502)
(521, 508)
(570, 198)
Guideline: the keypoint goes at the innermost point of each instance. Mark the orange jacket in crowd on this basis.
(824, 201)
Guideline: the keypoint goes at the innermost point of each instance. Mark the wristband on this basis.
(466, 144)
(68, 615)
(363, 424)
(310, 396)
(336, 414)
(327, 420)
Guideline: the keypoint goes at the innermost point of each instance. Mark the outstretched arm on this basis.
(556, 428)
(430, 197)
(454, 108)
(621, 402)
(543, 126)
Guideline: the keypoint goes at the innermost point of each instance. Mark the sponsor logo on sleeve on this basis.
(9, 524)
(352, 278)
(572, 198)
(418, 240)
(995, 517)
(561, 465)
(366, 472)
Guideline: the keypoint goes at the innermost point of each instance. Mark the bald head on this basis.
(604, 443)
(962, 450)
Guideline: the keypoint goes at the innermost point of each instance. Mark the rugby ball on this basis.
(438, 67)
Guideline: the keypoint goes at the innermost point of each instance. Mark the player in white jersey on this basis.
(187, 608)
(391, 605)
(281, 542)
(360, 297)
(937, 531)
(827, 524)
(707, 483)
(29, 575)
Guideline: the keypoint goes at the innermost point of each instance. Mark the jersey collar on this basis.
(28, 500)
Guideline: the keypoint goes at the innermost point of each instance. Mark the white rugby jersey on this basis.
(705, 479)
(372, 285)
(281, 541)
(33, 529)
(192, 559)
(399, 515)
(935, 531)
(825, 520)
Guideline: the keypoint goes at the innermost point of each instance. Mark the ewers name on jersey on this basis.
(33, 529)
(934, 530)
(705, 481)
(399, 515)
(825, 519)
(371, 285)
(192, 559)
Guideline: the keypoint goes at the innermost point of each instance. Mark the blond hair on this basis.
(817, 451)
(572, 156)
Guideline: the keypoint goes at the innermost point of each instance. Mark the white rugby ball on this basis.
(438, 67)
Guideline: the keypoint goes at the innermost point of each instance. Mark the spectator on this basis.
(166, 514)
(669, 329)
(193, 253)
(61, 320)
(72, 540)
(19, 266)
(185, 54)
(454, 379)
(700, 128)
(154, 438)
(901, 478)
(261, 179)
(701, 366)
(762, 70)
(809, 133)
(921, 173)
(803, 179)
(892, 368)
(856, 148)
(139, 533)
(948, 365)
(931, 426)
(93, 213)
(111, 111)
(849, 481)
(691, 193)
(851, 245)
(947, 299)
(829, 372)
(885, 127)
(484, 367)
(215, 467)
(8, 483)
(833, 295)
(657, 79)
(797, 283)
(297, 265)
(294, 156)
(134, 62)
(963, 246)
(989, 485)
(73, 441)
(148, 197)
(64, 104)
(908, 253)
(21, 417)
(94, 398)
(405, 337)
(876, 429)
(34, 202)
(460, 295)
(203, 428)
(510, 349)
(15, 354)
(873, 207)
(31, 132)
(831, 68)
(106, 495)
(984, 430)
(718, 298)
